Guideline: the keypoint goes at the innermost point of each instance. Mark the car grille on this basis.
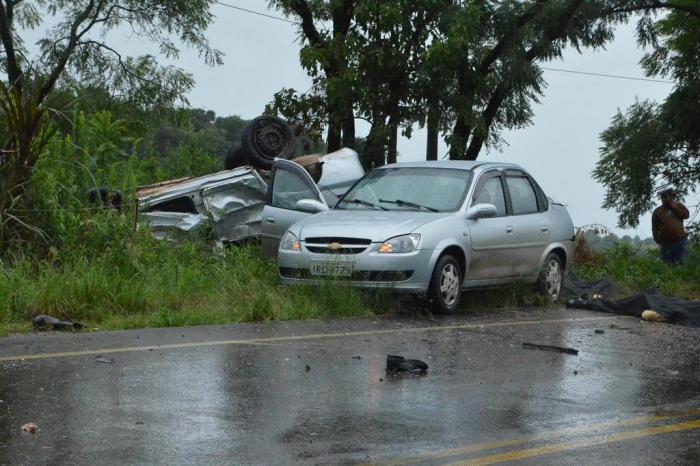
(359, 275)
(335, 245)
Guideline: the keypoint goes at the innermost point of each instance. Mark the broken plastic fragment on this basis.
(652, 316)
(30, 427)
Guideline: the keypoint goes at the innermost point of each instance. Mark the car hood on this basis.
(370, 224)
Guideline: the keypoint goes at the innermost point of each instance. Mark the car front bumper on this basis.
(403, 272)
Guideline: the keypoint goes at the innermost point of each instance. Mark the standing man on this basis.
(667, 228)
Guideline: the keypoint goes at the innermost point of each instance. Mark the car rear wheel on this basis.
(445, 289)
(551, 277)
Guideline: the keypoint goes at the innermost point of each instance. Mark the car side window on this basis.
(542, 197)
(288, 189)
(491, 192)
(522, 196)
(330, 198)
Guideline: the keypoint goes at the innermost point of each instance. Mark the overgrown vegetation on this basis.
(653, 146)
(136, 281)
(79, 115)
(635, 271)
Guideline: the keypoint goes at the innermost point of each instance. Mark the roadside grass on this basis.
(644, 271)
(140, 282)
(158, 284)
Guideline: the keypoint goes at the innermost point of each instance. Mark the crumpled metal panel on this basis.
(236, 208)
(174, 226)
(233, 201)
(241, 193)
(152, 195)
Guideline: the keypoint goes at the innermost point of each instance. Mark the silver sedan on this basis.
(433, 228)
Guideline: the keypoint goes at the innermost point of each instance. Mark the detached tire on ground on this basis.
(445, 290)
(267, 138)
(551, 277)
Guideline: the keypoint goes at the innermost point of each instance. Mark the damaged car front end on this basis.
(227, 206)
(230, 201)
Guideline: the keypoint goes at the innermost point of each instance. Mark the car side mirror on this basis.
(311, 206)
(478, 211)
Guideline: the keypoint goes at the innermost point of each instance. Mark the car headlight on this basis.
(290, 242)
(400, 244)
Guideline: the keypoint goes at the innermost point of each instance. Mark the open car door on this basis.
(291, 196)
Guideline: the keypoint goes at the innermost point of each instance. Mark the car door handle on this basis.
(544, 229)
(270, 221)
(509, 229)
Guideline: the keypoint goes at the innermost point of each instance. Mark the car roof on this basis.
(453, 164)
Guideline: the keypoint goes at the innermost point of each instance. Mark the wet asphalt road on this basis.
(242, 394)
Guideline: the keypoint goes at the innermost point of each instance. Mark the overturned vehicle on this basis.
(227, 206)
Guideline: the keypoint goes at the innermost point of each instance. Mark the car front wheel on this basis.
(445, 289)
(551, 277)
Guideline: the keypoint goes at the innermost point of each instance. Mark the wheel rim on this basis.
(553, 279)
(449, 285)
(269, 139)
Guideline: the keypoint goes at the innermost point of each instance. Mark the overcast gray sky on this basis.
(560, 148)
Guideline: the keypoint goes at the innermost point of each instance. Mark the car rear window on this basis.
(522, 196)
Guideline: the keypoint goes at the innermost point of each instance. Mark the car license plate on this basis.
(332, 268)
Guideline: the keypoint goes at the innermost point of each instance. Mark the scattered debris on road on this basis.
(42, 322)
(358, 357)
(603, 296)
(30, 427)
(104, 360)
(599, 332)
(396, 364)
(558, 349)
(308, 368)
(651, 315)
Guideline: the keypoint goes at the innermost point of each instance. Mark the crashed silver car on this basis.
(427, 227)
(229, 204)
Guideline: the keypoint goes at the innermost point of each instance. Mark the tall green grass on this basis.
(643, 271)
(149, 283)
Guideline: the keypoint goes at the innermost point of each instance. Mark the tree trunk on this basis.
(431, 150)
(392, 150)
(459, 138)
(375, 145)
(334, 141)
(349, 127)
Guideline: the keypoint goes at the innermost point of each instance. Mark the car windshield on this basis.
(409, 188)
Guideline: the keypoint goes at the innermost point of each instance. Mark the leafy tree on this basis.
(325, 57)
(466, 69)
(492, 52)
(75, 49)
(653, 146)
(389, 41)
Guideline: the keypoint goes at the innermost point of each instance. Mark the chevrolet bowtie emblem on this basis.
(335, 246)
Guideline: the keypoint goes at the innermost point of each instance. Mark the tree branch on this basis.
(74, 38)
(522, 21)
(301, 8)
(654, 5)
(504, 87)
(14, 72)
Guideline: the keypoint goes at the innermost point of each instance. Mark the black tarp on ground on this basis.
(602, 295)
